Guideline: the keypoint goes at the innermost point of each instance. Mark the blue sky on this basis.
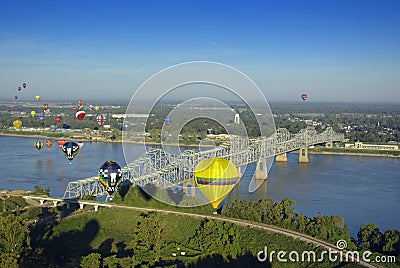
(96, 49)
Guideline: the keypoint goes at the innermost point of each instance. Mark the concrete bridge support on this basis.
(329, 144)
(303, 155)
(81, 205)
(190, 187)
(261, 169)
(96, 207)
(41, 202)
(55, 202)
(281, 158)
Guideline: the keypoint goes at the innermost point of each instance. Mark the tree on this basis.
(147, 239)
(93, 260)
(369, 237)
(110, 262)
(8, 260)
(14, 235)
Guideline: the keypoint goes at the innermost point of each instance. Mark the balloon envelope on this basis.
(39, 145)
(110, 176)
(37, 97)
(100, 119)
(61, 143)
(304, 96)
(80, 115)
(58, 119)
(215, 178)
(33, 113)
(17, 124)
(24, 85)
(49, 143)
(70, 150)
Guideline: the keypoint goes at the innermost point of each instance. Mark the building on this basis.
(360, 145)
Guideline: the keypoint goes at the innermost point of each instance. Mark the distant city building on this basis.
(360, 145)
(129, 115)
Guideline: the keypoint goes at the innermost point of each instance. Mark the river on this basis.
(357, 188)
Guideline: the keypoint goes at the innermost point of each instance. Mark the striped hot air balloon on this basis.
(38, 145)
(49, 143)
(100, 119)
(215, 178)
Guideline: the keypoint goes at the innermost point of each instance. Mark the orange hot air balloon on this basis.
(49, 143)
(61, 143)
(58, 119)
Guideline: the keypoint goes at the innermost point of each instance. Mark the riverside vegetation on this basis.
(126, 238)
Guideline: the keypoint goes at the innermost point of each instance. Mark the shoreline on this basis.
(190, 145)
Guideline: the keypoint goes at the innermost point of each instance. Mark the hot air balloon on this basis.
(91, 107)
(24, 85)
(37, 97)
(33, 113)
(80, 115)
(110, 176)
(65, 125)
(215, 178)
(107, 127)
(70, 150)
(100, 119)
(113, 137)
(167, 121)
(80, 107)
(61, 143)
(97, 108)
(15, 97)
(46, 108)
(80, 102)
(39, 145)
(210, 131)
(74, 108)
(41, 117)
(19, 88)
(58, 119)
(17, 124)
(304, 96)
(80, 144)
(49, 143)
(53, 128)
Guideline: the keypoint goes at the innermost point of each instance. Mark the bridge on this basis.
(56, 201)
(164, 169)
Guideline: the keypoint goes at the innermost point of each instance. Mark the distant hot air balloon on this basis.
(113, 137)
(167, 121)
(65, 125)
(80, 102)
(33, 113)
(53, 128)
(24, 85)
(91, 107)
(215, 178)
(19, 88)
(39, 145)
(58, 119)
(97, 108)
(80, 107)
(46, 108)
(74, 108)
(17, 124)
(37, 97)
(15, 97)
(80, 144)
(49, 143)
(70, 150)
(210, 131)
(100, 119)
(110, 176)
(107, 127)
(80, 115)
(304, 96)
(61, 143)
(41, 117)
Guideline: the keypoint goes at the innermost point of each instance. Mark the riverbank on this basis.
(317, 150)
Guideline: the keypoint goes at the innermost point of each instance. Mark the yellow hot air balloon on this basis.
(17, 124)
(37, 97)
(215, 178)
(33, 113)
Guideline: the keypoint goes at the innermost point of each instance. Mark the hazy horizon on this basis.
(340, 51)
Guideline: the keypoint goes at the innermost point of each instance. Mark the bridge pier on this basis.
(55, 202)
(281, 158)
(190, 188)
(41, 202)
(329, 144)
(96, 207)
(261, 169)
(303, 155)
(81, 205)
